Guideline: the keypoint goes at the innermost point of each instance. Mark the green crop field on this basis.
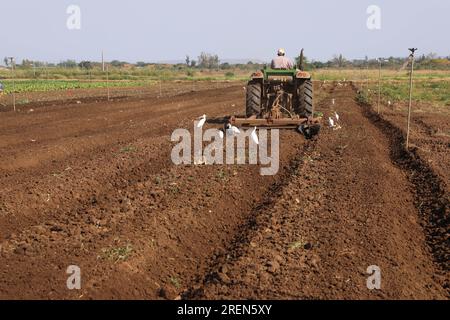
(53, 85)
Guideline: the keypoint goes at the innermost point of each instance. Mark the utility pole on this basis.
(13, 63)
(411, 56)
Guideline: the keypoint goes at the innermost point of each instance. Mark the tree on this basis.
(432, 56)
(306, 63)
(6, 61)
(141, 64)
(68, 64)
(193, 63)
(188, 61)
(85, 65)
(117, 63)
(208, 61)
(339, 60)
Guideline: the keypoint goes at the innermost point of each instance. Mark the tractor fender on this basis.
(257, 75)
(303, 75)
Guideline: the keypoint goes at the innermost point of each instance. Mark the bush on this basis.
(362, 97)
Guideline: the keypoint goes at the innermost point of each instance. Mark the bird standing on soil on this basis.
(255, 136)
(202, 121)
(330, 122)
(337, 116)
(333, 101)
(232, 130)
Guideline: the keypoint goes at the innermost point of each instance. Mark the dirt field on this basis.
(92, 184)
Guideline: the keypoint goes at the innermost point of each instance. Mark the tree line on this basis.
(212, 61)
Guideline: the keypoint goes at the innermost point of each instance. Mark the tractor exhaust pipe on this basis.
(300, 61)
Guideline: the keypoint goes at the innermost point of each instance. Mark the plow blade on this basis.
(281, 123)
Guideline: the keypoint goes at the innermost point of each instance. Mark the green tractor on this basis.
(280, 99)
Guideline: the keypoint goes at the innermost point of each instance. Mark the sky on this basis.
(168, 30)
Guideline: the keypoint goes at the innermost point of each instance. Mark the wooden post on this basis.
(367, 76)
(410, 95)
(103, 62)
(379, 87)
(13, 63)
(107, 81)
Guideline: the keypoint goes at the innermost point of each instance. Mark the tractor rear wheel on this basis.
(305, 99)
(254, 99)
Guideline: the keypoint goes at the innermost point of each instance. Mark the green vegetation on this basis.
(175, 282)
(363, 97)
(52, 85)
(432, 91)
(296, 245)
(117, 254)
(128, 149)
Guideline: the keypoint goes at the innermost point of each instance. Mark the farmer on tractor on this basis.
(281, 61)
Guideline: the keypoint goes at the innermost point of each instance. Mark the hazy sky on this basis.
(138, 30)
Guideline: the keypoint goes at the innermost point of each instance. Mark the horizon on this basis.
(231, 61)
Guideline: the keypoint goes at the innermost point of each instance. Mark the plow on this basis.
(280, 99)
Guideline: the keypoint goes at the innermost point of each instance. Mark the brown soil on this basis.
(92, 185)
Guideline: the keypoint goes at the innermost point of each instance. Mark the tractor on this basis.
(278, 98)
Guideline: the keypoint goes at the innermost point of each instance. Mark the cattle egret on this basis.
(331, 122)
(337, 116)
(333, 101)
(202, 121)
(232, 130)
(255, 136)
(221, 134)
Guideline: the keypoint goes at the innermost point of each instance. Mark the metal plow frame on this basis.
(280, 123)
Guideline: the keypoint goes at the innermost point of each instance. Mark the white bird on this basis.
(331, 122)
(255, 136)
(333, 101)
(232, 130)
(389, 102)
(337, 116)
(202, 121)
(221, 134)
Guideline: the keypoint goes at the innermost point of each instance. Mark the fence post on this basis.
(413, 50)
(13, 63)
(107, 81)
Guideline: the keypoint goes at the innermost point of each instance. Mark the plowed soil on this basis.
(93, 185)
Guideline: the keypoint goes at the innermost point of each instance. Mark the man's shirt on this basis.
(282, 62)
